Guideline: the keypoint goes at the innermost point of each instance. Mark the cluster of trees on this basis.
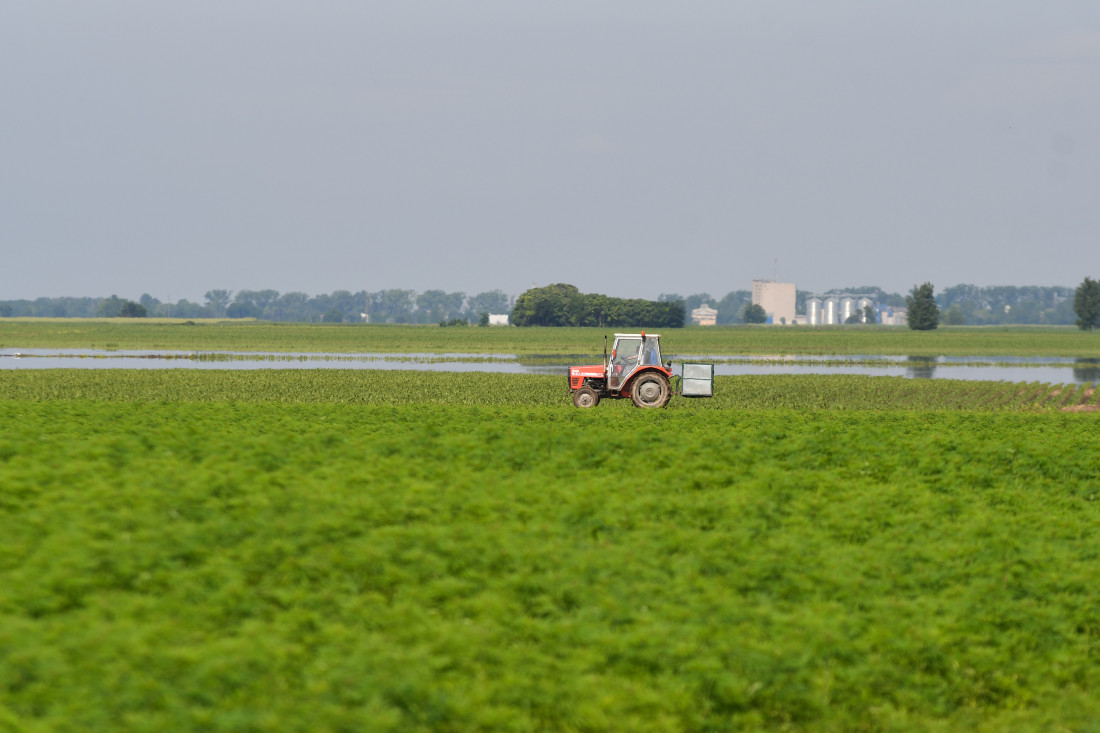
(343, 306)
(112, 307)
(564, 305)
(435, 306)
(971, 305)
(925, 312)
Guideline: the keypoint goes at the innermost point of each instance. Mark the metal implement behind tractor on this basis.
(634, 369)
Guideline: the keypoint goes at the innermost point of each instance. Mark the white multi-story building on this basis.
(777, 299)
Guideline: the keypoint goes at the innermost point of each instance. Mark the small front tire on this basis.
(586, 397)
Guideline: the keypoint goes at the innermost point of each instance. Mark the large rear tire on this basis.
(650, 390)
(586, 397)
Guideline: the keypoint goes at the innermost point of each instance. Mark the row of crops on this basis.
(363, 387)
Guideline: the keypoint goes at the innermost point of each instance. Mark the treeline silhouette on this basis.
(959, 305)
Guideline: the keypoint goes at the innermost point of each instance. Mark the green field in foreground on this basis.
(201, 557)
(364, 338)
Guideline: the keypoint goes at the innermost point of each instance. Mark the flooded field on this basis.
(1007, 369)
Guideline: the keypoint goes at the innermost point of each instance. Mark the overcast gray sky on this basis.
(629, 148)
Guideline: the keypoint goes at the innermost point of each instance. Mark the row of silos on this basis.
(830, 310)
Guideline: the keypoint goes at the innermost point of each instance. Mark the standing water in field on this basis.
(1004, 369)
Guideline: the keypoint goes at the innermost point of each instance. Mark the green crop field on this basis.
(350, 338)
(407, 551)
(371, 387)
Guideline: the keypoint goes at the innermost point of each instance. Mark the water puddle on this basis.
(1051, 370)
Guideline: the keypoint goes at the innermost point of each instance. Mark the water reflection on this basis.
(1086, 371)
(920, 367)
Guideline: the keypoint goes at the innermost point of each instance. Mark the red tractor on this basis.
(634, 370)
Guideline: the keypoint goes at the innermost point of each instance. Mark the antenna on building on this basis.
(775, 270)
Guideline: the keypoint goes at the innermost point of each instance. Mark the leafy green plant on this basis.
(311, 565)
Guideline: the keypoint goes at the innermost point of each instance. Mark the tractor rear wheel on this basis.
(650, 390)
(586, 397)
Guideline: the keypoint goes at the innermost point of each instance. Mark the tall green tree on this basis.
(953, 316)
(924, 314)
(559, 304)
(217, 301)
(433, 306)
(292, 307)
(130, 309)
(242, 310)
(110, 307)
(1086, 304)
(754, 313)
(392, 306)
(266, 298)
(149, 302)
(493, 301)
(731, 307)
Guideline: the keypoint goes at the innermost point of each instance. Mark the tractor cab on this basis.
(633, 369)
(630, 353)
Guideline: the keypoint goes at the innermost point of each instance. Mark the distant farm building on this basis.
(704, 315)
(894, 316)
(498, 320)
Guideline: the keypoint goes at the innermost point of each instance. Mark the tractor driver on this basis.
(626, 354)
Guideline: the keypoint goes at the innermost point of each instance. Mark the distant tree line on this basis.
(564, 305)
(971, 305)
(341, 306)
(958, 305)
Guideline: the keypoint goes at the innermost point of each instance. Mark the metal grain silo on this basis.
(847, 308)
(863, 304)
(813, 311)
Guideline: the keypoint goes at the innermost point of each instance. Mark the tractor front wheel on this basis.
(650, 390)
(586, 397)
